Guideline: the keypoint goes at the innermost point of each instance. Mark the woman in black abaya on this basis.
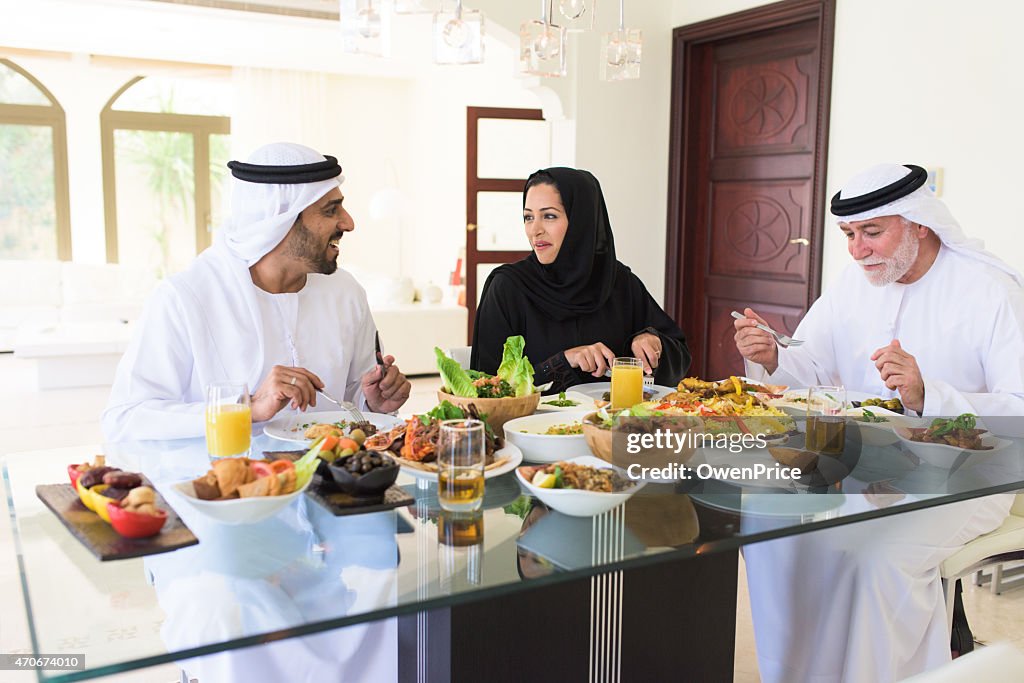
(577, 307)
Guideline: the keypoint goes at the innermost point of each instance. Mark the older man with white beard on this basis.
(925, 313)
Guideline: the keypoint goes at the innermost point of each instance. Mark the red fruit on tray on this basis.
(73, 474)
(135, 524)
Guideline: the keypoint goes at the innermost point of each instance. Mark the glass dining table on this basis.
(515, 592)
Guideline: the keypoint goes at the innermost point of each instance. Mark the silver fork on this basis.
(781, 338)
(347, 405)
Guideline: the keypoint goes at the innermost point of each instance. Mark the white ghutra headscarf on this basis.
(919, 206)
(263, 212)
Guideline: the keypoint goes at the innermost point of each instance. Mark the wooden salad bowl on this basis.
(600, 441)
(498, 410)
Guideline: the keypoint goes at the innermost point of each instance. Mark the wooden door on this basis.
(748, 152)
(503, 146)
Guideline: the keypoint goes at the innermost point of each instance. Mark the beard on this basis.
(897, 265)
(304, 245)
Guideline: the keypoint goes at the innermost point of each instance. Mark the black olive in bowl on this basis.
(366, 473)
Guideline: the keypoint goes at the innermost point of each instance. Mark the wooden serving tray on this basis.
(100, 538)
(339, 504)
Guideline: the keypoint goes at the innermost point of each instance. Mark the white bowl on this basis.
(944, 455)
(528, 433)
(578, 503)
(877, 433)
(236, 510)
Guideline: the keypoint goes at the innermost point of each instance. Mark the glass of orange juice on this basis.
(228, 420)
(627, 383)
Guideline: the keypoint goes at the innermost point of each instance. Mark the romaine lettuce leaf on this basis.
(510, 357)
(454, 377)
(522, 378)
(515, 368)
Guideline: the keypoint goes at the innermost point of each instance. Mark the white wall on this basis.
(931, 82)
(622, 137)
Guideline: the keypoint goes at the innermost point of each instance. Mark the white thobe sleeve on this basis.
(1003, 362)
(812, 363)
(153, 377)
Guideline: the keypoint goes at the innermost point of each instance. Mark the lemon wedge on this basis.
(543, 480)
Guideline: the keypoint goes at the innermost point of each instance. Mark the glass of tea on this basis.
(228, 420)
(461, 454)
(826, 419)
(627, 383)
(460, 537)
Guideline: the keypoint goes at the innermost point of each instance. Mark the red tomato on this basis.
(281, 466)
(262, 469)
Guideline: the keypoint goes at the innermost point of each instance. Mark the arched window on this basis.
(34, 213)
(165, 150)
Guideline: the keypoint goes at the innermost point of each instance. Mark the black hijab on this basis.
(583, 274)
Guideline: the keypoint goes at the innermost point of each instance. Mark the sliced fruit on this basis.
(330, 442)
(345, 442)
(543, 480)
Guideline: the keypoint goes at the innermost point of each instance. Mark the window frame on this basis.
(201, 127)
(51, 115)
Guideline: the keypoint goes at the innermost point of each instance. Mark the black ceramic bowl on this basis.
(373, 483)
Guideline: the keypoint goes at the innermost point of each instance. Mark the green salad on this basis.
(562, 401)
(514, 378)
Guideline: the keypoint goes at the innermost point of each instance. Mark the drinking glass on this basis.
(627, 383)
(228, 420)
(826, 419)
(460, 537)
(461, 455)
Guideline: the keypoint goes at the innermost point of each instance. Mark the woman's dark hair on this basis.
(539, 178)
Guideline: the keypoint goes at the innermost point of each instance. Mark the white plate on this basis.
(877, 433)
(515, 457)
(772, 504)
(789, 403)
(585, 403)
(596, 390)
(287, 427)
(238, 510)
(944, 455)
(547, 448)
(798, 408)
(578, 503)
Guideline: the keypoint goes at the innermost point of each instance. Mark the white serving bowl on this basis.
(237, 510)
(944, 455)
(528, 433)
(578, 503)
(877, 433)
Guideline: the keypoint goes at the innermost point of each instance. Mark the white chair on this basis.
(1005, 544)
(999, 663)
(461, 354)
